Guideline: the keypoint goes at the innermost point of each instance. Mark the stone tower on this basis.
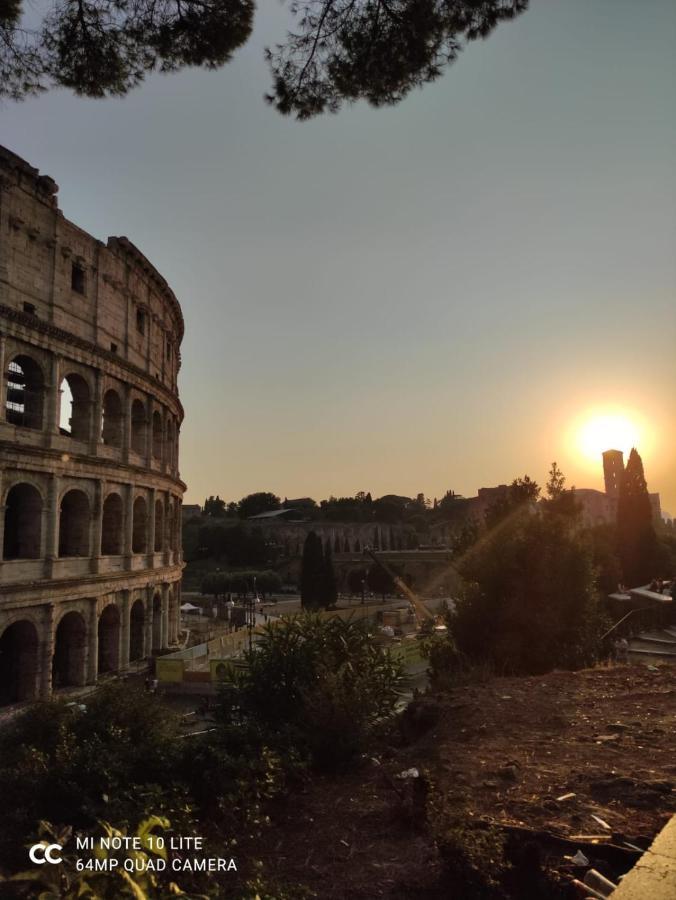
(613, 469)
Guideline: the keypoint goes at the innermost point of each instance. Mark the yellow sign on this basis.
(169, 670)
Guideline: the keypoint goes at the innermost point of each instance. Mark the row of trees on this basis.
(338, 51)
(536, 579)
(391, 508)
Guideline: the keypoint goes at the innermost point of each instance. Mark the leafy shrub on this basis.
(322, 684)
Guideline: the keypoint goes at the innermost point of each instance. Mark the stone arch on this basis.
(18, 662)
(159, 526)
(140, 526)
(76, 407)
(137, 621)
(74, 523)
(111, 430)
(157, 622)
(24, 400)
(138, 427)
(157, 435)
(112, 526)
(70, 641)
(23, 522)
(109, 639)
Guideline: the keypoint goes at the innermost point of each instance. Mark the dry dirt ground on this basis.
(501, 751)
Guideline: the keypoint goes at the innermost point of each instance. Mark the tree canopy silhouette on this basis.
(340, 50)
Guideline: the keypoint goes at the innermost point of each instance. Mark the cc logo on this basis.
(42, 853)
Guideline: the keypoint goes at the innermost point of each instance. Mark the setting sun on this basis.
(606, 431)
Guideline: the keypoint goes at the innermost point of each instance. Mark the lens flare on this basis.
(607, 431)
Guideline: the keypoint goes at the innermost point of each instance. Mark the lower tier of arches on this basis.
(48, 647)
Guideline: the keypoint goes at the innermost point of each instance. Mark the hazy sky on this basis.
(408, 299)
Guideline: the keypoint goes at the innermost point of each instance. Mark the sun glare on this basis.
(609, 431)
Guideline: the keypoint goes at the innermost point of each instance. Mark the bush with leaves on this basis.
(531, 603)
(320, 685)
(112, 760)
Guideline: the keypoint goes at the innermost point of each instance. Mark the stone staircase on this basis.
(660, 643)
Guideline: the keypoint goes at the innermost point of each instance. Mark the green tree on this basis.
(560, 499)
(340, 50)
(521, 493)
(531, 602)
(312, 573)
(637, 540)
(214, 506)
(255, 504)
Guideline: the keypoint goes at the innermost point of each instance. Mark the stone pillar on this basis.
(53, 401)
(149, 433)
(125, 631)
(151, 528)
(166, 527)
(178, 542)
(3, 389)
(165, 444)
(52, 525)
(97, 526)
(164, 640)
(2, 521)
(92, 663)
(126, 423)
(96, 435)
(46, 652)
(149, 624)
(128, 525)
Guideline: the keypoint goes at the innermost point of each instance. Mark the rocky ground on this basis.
(583, 760)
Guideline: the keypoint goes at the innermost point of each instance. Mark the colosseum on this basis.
(90, 549)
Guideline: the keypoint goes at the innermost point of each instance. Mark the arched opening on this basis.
(159, 525)
(74, 524)
(157, 435)
(75, 414)
(68, 662)
(109, 639)
(140, 526)
(23, 523)
(112, 526)
(136, 627)
(25, 393)
(138, 427)
(157, 622)
(18, 663)
(111, 432)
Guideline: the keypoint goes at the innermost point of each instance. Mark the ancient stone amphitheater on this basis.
(90, 540)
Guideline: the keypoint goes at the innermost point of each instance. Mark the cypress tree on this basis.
(637, 541)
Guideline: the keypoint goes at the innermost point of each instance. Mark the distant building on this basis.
(599, 507)
(613, 470)
(190, 510)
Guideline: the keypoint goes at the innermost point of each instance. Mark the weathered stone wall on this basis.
(90, 493)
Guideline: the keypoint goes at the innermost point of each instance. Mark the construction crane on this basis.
(420, 611)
